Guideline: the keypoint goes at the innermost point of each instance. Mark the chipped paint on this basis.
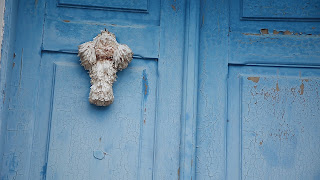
(261, 142)
(173, 7)
(145, 84)
(277, 87)
(280, 32)
(66, 21)
(301, 89)
(254, 79)
(264, 31)
(287, 32)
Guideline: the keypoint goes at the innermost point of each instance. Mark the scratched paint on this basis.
(278, 122)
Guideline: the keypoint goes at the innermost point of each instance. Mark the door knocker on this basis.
(103, 58)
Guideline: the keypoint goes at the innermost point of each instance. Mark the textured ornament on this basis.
(103, 58)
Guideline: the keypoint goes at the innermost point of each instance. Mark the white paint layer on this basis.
(103, 57)
(2, 5)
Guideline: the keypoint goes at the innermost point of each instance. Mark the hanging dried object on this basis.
(103, 57)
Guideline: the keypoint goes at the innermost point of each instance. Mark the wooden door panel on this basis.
(111, 12)
(50, 131)
(65, 36)
(273, 116)
(266, 32)
(89, 142)
(269, 9)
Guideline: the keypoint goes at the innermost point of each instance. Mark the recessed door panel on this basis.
(89, 142)
(273, 123)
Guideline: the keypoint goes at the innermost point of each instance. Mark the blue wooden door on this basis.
(258, 105)
(216, 90)
(53, 132)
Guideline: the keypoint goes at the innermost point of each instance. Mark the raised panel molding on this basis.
(67, 36)
(304, 10)
(89, 142)
(115, 5)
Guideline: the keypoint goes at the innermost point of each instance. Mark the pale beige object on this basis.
(103, 57)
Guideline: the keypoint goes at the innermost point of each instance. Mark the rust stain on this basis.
(173, 7)
(179, 173)
(66, 21)
(261, 142)
(145, 84)
(254, 79)
(13, 64)
(277, 87)
(255, 86)
(146, 89)
(36, 2)
(144, 121)
(313, 27)
(264, 31)
(306, 80)
(287, 32)
(275, 32)
(301, 89)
